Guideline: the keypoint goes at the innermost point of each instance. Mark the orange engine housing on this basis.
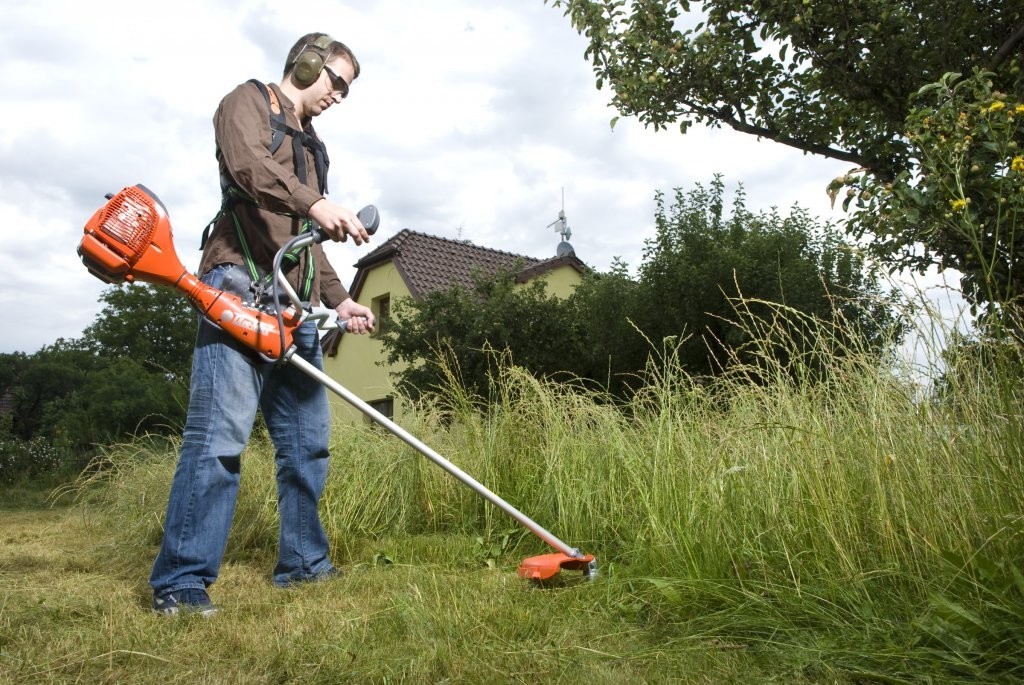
(130, 238)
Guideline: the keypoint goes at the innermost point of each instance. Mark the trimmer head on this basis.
(548, 565)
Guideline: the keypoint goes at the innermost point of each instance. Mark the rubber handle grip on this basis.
(369, 217)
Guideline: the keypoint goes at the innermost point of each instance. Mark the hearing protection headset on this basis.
(310, 62)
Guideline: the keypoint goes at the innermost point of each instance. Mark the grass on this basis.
(73, 613)
(841, 531)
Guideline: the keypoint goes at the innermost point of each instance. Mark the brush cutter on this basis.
(129, 239)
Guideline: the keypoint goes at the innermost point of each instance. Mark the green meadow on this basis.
(766, 526)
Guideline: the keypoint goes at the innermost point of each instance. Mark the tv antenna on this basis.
(562, 226)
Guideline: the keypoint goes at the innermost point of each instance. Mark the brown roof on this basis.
(428, 263)
(546, 265)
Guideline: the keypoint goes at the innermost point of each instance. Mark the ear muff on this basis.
(310, 61)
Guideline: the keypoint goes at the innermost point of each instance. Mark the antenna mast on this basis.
(562, 226)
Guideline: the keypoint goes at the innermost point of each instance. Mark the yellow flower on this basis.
(996, 106)
(957, 205)
(1019, 109)
(1017, 164)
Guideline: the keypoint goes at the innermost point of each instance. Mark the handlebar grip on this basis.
(369, 217)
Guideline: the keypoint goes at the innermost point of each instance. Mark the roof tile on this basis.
(430, 263)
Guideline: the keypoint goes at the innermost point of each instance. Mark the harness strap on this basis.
(232, 194)
(279, 128)
(290, 260)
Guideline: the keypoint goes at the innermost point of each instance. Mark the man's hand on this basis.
(360, 319)
(339, 223)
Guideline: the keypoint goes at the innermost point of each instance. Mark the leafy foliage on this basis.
(120, 399)
(711, 277)
(25, 460)
(964, 206)
(707, 279)
(33, 382)
(871, 83)
(467, 326)
(604, 308)
(827, 78)
(128, 374)
(153, 326)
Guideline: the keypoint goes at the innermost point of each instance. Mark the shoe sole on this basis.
(205, 612)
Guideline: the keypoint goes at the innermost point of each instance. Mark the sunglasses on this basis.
(339, 84)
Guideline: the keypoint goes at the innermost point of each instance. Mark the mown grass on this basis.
(783, 530)
(74, 611)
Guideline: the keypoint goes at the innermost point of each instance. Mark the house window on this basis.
(385, 406)
(381, 308)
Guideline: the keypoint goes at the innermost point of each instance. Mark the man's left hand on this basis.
(360, 319)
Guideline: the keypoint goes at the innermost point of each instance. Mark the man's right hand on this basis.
(337, 222)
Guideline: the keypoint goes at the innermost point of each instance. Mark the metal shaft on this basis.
(430, 454)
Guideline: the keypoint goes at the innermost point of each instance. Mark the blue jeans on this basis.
(228, 385)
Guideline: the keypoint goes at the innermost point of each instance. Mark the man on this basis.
(274, 175)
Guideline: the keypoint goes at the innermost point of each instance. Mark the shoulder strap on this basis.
(278, 127)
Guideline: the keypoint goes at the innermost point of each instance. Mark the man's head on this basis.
(310, 53)
(318, 72)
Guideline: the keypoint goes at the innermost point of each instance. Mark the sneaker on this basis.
(187, 601)
(329, 574)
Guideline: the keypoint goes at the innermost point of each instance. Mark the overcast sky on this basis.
(468, 121)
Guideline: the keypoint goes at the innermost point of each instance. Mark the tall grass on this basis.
(839, 518)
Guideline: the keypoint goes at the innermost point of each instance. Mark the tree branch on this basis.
(843, 155)
(1006, 49)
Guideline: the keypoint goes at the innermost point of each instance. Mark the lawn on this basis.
(784, 531)
(73, 612)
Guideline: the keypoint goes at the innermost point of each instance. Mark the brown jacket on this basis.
(242, 129)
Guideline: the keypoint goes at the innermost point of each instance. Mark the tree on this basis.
(128, 372)
(604, 309)
(845, 80)
(51, 373)
(118, 400)
(711, 278)
(154, 326)
(828, 78)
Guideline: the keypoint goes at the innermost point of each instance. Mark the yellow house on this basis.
(413, 264)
